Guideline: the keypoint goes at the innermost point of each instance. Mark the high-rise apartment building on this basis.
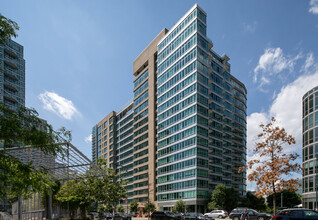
(189, 118)
(112, 140)
(201, 117)
(310, 149)
(12, 75)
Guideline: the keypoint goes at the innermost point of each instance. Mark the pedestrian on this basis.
(245, 215)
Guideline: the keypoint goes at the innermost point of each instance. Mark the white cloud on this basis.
(271, 63)
(313, 7)
(287, 109)
(88, 139)
(58, 105)
(308, 63)
(250, 27)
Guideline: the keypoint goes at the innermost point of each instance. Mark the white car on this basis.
(217, 214)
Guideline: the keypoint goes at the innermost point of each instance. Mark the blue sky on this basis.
(76, 52)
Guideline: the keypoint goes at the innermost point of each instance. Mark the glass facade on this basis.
(310, 149)
(12, 76)
(201, 117)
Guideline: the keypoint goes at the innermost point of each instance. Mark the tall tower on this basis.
(201, 117)
(310, 149)
(12, 75)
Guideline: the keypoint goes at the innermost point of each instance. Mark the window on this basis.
(177, 88)
(311, 167)
(141, 88)
(311, 184)
(316, 101)
(311, 103)
(177, 117)
(311, 213)
(177, 66)
(141, 98)
(311, 121)
(177, 78)
(141, 78)
(311, 152)
(141, 107)
(176, 54)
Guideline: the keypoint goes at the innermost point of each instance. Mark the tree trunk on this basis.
(274, 204)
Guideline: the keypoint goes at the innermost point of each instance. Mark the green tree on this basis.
(253, 202)
(105, 208)
(223, 198)
(8, 29)
(149, 208)
(109, 188)
(75, 194)
(19, 129)
(180, 206)
(290, 199)
(120, 209)
(133, 206)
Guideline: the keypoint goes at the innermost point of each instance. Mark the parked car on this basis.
(299, 214)
(93, 215)
(122, 216)
(108, 216)
(195, 216)
(161, 215)
(178, 215)
(253, 215)
(217, 214)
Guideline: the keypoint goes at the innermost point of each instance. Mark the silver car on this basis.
(217, 214)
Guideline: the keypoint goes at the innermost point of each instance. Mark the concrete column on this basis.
(49, 211)
(19, 207)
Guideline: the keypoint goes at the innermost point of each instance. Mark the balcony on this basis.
(11, 88)
(10, 76)
(10, 99)
(11, 53)
(11, 64)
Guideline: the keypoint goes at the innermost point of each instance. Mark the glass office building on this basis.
(310, 149)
